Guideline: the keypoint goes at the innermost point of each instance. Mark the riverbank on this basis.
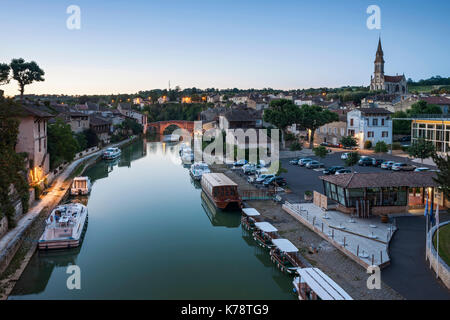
(318, 252)
(19, 244)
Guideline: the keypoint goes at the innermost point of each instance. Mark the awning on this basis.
(322, 285)
(284, 245)
(251, 212)
(265, 226)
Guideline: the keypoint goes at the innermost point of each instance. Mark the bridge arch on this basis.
(160, 126)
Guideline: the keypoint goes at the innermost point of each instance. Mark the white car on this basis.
(421, 169)
(261, 178)
(344, 156)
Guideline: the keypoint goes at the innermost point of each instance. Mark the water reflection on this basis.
(218, 217)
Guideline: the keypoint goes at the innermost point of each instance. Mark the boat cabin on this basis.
(284, 254)
(313, 284)
(221, 190)
(80, 186)
(249, 217)
(264, 234)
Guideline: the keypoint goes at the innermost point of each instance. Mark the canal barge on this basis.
(64, 227)
(80, 186)
(284, 255)
(313, 284)
(222, 191)
(111, 153)
(264, 234)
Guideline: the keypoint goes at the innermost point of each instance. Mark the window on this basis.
(369, 134)
(375, 122)
(385, 134)
(382, 122)
(351, 122)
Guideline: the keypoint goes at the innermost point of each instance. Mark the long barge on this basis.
(222, 191)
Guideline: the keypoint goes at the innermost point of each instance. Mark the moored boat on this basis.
(198, 169)
(249, 217)
(264, 234)
(80, 186)
(221, 190)
(111, 153)
(284, 255)
(64, 227)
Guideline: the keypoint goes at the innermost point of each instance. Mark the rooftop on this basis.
(218, 179)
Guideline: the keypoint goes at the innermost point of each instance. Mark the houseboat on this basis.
(64, 227)
(313, 284)
(198, 169)
(249, 217)
(222, 191)
(111, 153)
(80, 186)
(264, 234)
(284, 255)
(218, 217)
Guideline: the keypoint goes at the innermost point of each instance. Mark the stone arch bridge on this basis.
(160, 126)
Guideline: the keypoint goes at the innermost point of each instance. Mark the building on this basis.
(370, 124)
(381, 193)
(239, 99)
(78, 121)
(432, 128)
(240, 118)
(32, 139)
(442, 102)
(102, 127)
(257, 103)
(380, 81)
(332, 132)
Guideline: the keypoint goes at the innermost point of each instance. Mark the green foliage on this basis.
(91, 138)
(396, 146)
(348, 141)
(82, 141)
(421, 149)
(4, 73)
(367, 144)
(62, 145)
(289, 136)
(296, 146)
(313, 117)
(381, 146)
(174, 111)
(132, 125)
(401, 126)
(352, 159)
(282, 113)
(26, 73)
(422, 107)
(443, 177)
(12, 165)
(320, 151)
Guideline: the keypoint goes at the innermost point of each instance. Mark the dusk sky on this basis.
(127, 46)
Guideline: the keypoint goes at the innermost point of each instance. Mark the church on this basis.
(380, 81)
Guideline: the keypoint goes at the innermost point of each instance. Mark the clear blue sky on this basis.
(127, 46)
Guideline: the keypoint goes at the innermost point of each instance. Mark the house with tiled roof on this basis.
(443, 102)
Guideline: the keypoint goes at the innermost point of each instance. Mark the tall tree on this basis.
(282, 113)
(422, 107)
(4, 73)
(313, 117)
(26, 73)
(421, 149)
(443, 176)
(62, 145)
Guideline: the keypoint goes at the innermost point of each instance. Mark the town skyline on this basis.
(308, 48)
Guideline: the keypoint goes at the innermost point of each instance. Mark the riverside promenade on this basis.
(13, 239)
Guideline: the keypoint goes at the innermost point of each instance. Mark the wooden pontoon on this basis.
(249, 217)
(313, 284)
(221, 190)
(284, 254)
(264, 234)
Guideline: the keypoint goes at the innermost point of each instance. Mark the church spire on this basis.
(379, 56)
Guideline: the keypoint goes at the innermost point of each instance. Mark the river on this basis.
(151, 236)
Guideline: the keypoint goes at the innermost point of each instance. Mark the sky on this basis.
(127, 46)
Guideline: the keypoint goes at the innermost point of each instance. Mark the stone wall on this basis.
(444, 269)
(3, 226)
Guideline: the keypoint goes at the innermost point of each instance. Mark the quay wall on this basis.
(436, 261)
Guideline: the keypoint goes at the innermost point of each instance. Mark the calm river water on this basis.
(151, 236)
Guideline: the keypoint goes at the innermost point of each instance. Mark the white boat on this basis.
(64, 227)
(187, 155)
(112, 153)
(172, 138)
(80, 186)
(198, 169)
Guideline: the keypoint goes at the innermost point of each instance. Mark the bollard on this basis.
(381, 257)
(357, 250)
(344, 242)
(332, 233)
(372, 259)
(322, 227)
(314, 221)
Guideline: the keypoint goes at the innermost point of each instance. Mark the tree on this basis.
(26, 73)
(422, 107)
(282, 113)
(421, 149)
(313, 117)
(91, 138)
(443, 176)
(401, 126)
(4, 73)
(352, 159)
(62, 145)
(381, 146)
(348, 141)
(320, 151)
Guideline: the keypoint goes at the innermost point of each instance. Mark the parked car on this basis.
(405, 139)
(240, 163)
(325, 144)
(261, 178)
(422, 169)
(302, 162)
(314, 164)
(294, 161)
(377, 162)
(387, 165)
(335, 145)
(343, 171)
(280, 181)
(332, 170)
(344, 156)
(402, 167)
(249, 168)
(365, 161)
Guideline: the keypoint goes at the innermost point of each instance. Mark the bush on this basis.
(296, 146)
(308, 193)
(381, 146)
(320, 151)
(289, 136)
(352, 159)
(348, 141)
(396, 146)
(368, 144)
